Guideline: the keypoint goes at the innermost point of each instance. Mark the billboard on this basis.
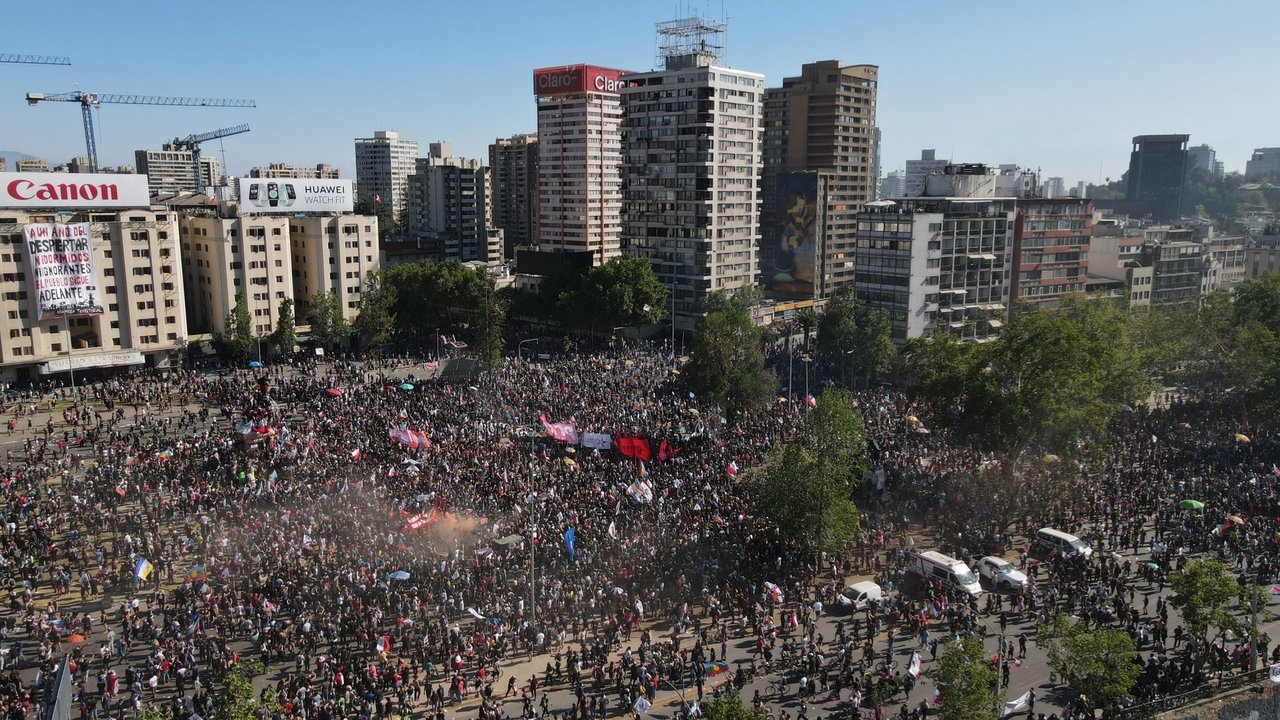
(570, 79)
(73, 190)
(294, 196)
(791, 246)
(61, 261)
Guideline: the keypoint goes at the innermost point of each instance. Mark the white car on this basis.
(1001, 574)
(859, 595)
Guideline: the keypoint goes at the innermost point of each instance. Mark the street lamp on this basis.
(520, 346)
(807, 359)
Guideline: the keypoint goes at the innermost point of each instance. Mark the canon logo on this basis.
(22, 189)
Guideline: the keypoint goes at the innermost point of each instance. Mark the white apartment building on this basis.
(693, 142)
(169, 171)
(322, 171)
(384, 163)
(579, 160)
(937, 262)
(449, 206)
(136, 258)
(913, 184)
(332, 253)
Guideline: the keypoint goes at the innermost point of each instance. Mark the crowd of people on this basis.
(367, 540)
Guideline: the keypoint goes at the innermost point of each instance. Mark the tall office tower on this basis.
(169, 170)
(934, 262)
(693, 146)
(823, 122)
(513, 185)
(919, 170)
(579, 160)
(1157, 174)
(1264, 164)
(449, 206)
(384, 163)
(321, 171)
(1205, 158)
(893, 185)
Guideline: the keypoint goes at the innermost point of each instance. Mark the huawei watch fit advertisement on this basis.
(266, 195)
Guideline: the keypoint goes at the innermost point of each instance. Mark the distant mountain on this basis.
(11, 157)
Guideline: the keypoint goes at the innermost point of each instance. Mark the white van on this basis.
(931, 565)
(859, 595)
(1055, 540)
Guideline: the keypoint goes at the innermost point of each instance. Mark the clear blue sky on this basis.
(1060, 86)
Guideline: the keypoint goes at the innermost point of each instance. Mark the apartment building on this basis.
(332, 254)
(321, 171)
(449, 206)
(170, 170)
(1050, 250)
(136, 259)
(822, 120)
(384, 163)
(513, 185)
(693, 143)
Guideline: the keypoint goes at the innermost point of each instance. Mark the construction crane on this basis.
(192, 143)
(89, 101)
(34, 59)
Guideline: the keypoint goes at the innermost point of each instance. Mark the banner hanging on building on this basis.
(293, 196)
(61, 260)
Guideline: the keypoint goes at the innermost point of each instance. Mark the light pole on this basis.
(520, 346)
(806, 360)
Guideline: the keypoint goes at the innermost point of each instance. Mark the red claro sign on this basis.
(73, 190)
(570, 79)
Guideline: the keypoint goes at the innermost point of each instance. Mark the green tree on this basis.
(727, 364)
(622, 292)
(489, 320)
(237, 700)
(855, 338)
(1101, 664)
(329, 324)
(237, 334)
(806, 489)
(966, 680)
(730, 707)
(1205, 594)
(382, 212)
(285, 334)
(807, 319)
(374, 323)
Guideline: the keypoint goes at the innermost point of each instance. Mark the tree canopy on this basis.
(374, 323)
(621, 292)
(727, 364)
(1101, 664)
(854, 337)
(966, 681)
(237, 334)
(285, 334)
(329, 324)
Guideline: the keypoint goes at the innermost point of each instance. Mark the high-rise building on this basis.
(1054, 187)
(321, 171)
(693, 146)
(579, 160)
(893, 185)
(1264, 165)
(919, 170)
(1157, 175)
(384, 163)
(822, 120)
(449, 206)
(30, 165)
(1050, 250)
(1203, 157)
(332, 254)
(937, 263)
(169, 170)
(513, 185)
(136, 260)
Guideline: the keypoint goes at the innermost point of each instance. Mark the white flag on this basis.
(641, 705)
(914, 668)
(1275, 673)
(1022, 702)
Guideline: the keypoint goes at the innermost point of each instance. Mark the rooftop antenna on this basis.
(690, 36)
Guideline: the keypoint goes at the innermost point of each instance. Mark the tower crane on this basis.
(34, 59)
(192, 143)
(88, 101)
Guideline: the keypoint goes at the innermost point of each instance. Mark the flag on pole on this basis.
(568, 543)
(914, 668)
(732, 469)
(355, 455)
(384, 644)
(142, 569)
(613, 530)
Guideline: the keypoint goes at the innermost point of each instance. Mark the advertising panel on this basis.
(294, 196)
(791, 252)
(61, 261)
(68, 190)
(569, 79)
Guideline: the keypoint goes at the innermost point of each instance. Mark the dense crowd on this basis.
(167, 527)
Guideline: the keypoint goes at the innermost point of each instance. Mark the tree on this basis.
(727, 365)
(374, 323)
(489, 320)
(854, 337)
(328, 322)
(622, 292)
(381, 211)
(238, 331)
(966, 680)
(1101, 664)
(237, 700)
(285, 334)
(807, 319)
(1204, 594)
(730, 707)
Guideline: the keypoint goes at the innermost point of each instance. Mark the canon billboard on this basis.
(572, 79)
(73, 190)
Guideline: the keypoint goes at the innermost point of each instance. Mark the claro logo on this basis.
(557, 81)
(608, 84)
(21, 189)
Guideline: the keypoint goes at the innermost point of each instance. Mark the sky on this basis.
(1061, 87)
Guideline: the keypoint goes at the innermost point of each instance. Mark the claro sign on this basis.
(73, 190)
(568, 79)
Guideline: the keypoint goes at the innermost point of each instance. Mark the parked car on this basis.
(1001, 574)
(859, 595)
